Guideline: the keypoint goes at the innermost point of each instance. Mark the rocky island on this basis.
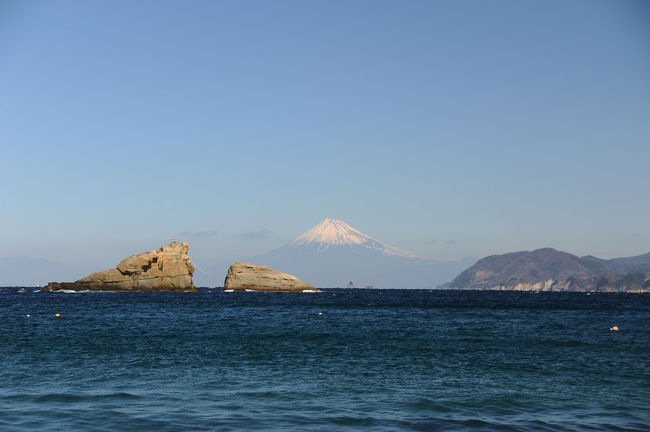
(243, 276)
(552, 270)
(167, 268)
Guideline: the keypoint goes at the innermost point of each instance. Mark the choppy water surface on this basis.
(374, 360)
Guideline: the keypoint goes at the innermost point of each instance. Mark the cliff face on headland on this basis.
(244, 276)
(552, 270)
(627, 282)
(167, 268)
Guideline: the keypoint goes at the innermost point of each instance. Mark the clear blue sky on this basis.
(446, 128)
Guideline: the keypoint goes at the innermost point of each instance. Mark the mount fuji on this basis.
(336, 233)
(333, 253)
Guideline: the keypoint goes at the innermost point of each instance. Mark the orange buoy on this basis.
(615, 328)
(57, 315)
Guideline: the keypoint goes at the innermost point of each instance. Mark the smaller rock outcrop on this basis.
(167, 268)
(243, 276)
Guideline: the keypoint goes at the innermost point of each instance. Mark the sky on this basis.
(446, 128)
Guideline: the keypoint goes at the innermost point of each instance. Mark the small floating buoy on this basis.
(320, 313)
(57, 315)
(615, 328)
(28, 316)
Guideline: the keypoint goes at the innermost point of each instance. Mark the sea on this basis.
(338, 360)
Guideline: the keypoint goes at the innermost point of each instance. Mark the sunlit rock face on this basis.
(167, 268)
(244, 276)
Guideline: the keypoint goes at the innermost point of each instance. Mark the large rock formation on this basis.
(552, 270)
(167, 268)
(246, 276)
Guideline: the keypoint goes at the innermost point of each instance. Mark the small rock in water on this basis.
(243, 276)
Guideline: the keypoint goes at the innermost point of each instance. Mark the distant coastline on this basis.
(548, 269)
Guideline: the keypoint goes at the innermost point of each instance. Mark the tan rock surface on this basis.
(246, 276)
(167, 268)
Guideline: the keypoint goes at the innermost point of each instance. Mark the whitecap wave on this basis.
(65, 291)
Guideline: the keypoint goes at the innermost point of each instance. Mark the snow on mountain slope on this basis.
(333, 232)
(333, 253)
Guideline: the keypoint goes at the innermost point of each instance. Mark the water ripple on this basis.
(401, 360)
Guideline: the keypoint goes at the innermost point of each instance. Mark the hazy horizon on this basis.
(28, 271)
(446, 129)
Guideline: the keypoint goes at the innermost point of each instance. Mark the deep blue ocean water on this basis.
(374, 360)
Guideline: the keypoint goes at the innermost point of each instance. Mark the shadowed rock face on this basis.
(246, 276)
(167, 268)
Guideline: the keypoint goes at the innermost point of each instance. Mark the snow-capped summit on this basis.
(334, 232)
(333, 253)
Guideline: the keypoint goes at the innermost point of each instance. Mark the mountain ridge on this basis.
(554, 270)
